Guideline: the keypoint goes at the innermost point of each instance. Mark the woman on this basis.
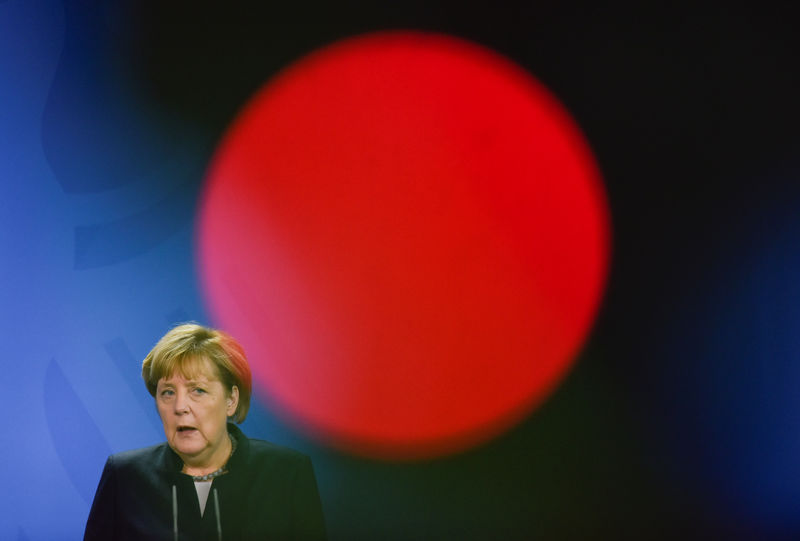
(208, 481)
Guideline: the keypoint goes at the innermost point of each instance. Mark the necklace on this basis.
(222, 470)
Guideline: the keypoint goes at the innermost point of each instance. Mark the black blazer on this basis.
(269, 492)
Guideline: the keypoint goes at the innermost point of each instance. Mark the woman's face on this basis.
(195, 413)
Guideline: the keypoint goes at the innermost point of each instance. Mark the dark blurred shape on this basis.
(130, 371)
(725, 369)
(113, 242)
(78, 441)
(98, 132)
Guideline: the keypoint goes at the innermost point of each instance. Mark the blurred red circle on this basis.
(410, 237)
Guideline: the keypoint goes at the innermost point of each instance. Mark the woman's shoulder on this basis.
(259, 449)
(275, 462)
(143, 458)
(268, 450)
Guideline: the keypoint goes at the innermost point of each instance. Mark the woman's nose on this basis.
(181, 403)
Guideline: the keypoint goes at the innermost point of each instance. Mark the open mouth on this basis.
(186, 428)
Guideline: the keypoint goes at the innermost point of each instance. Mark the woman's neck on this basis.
(200, 465)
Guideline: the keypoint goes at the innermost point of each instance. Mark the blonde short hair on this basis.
(185, 348)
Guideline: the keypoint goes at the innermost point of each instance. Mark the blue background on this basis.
(682, 415)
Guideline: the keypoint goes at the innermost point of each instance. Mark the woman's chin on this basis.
(189, 445)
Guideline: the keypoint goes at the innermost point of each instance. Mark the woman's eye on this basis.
(167, 392)
(198, 390)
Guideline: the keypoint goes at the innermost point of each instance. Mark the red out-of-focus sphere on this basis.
(410, 236)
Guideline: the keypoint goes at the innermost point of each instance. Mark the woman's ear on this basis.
(232, 401)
